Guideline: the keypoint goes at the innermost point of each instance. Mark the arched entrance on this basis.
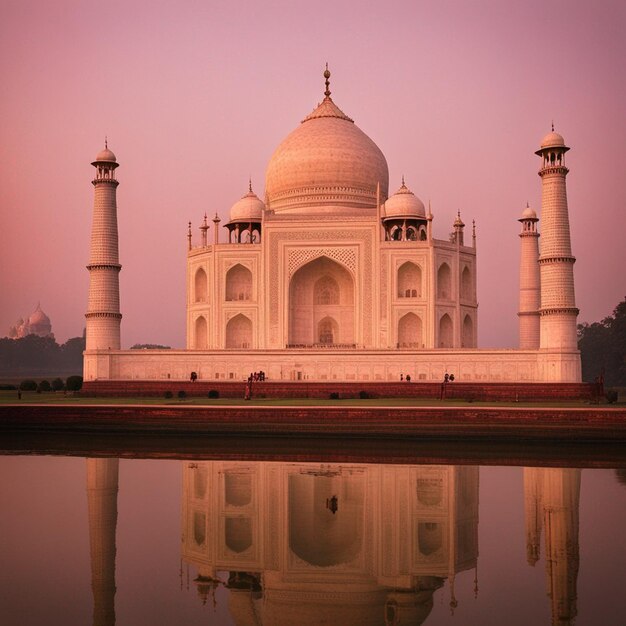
(321, 305)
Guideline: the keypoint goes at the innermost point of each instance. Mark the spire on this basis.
(403, 181)
(189, 235)
(250, 184)
(327, 76)
(106, 143)
(552, 125)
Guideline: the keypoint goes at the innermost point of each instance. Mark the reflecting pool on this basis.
(108, 541)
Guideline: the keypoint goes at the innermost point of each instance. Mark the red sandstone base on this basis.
(480, 392)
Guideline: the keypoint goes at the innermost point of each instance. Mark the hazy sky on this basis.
(195, 96)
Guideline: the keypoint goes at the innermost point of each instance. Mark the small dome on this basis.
(553, 140)
(249, 209)
(106, 155)
(529, 214)
(404, 203)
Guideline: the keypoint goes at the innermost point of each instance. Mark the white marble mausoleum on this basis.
(333, 276)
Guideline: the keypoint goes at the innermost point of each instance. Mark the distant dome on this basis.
(327, 164)
(553, 140)
(404, 203)
(529, 214)
(106, 155)
(38, 318)
(248, 209)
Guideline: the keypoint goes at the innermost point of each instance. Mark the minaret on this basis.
(529, 286)
(102, 486)
(103, 309)
(556, 264)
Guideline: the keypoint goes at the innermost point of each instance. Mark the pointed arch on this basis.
(327, 331)
(444, 282)
(201, 333)
(237, 488)
(318, 536)
(410, 331)
(466, 283)
(238, 283)
(319, 289)
(429, 537)
(467, 332)
(200, 283)
(409, 280)
(238, 531)
(446, 333)
(239, 332)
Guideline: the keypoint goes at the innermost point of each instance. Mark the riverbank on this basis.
(435, 422)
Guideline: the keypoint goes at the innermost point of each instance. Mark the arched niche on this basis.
(199, 528)
(446, 336)
(318, 535)
(238, 283)
(429, 537)
(466, 283)
(409, 280)
(321, 289)
(444, 282)
(201, 333)
(327, 331)
(467, 332)
(200, 283)
(239, 332)
(237, 488)
(410, 331)
(429, 491)
(199, 481)
(238, 531)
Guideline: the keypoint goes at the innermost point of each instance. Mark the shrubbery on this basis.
(169, 394)
(611, 396)
(44, 386)
(58, 385)
(28, 385)
(74, 383)
(214, 393)
(333, 395)
(363, 394)
(182, 395)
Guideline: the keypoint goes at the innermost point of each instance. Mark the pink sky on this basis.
(195, 96)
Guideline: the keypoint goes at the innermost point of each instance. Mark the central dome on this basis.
(326, 165)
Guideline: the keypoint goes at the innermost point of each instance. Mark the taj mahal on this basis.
(330, 275)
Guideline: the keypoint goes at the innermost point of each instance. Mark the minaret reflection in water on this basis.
(552, 504)
(339, 544)
(102, 486)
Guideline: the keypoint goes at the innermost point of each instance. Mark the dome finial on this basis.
(552, 125)
(250, 184)
(327, 76)
(403, 181)
(106, 142)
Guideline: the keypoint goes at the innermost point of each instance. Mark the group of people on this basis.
(256, 377)
(406, 377)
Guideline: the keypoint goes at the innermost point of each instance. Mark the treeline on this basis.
(602, 348)
(33, 355)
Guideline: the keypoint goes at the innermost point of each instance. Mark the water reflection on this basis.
(552, 503)
(335, 544)
(102, 486)
(304, 543)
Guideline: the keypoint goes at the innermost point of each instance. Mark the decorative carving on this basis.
(301, 256)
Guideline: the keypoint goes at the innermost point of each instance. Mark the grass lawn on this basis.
(32, 397)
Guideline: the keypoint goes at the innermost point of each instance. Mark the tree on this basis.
(602, 348)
